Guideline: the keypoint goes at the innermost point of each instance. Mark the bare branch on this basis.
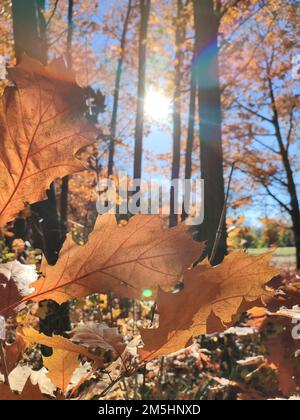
(257, 114)
(52, 14)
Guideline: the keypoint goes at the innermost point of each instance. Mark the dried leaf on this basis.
(221, 290)
(61, 366)
(15, 281)
(56, 342)
(128, 260)
(42, 127)
(92, 335)
(14, 353)
(22, 373)
(30, 393)
(283, 351)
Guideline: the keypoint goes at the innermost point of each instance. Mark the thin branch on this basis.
(257, 114)
(52, 14)
(289, 135)
(276, 198)
(4, 365)
(266, 146)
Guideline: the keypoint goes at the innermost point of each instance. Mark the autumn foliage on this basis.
(174, 299)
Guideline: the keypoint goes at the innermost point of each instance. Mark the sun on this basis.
(157, 106)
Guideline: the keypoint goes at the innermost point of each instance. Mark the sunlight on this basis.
(157, 105)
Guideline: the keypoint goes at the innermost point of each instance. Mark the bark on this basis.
(210, 115)
(179, 37)
(114, 118)
(191, 131)
(139, 126)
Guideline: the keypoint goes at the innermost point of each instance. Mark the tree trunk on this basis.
(296, 230)
(191, 131)
(179, 37)
(139, 126)
(211, 153)
(28, 37)
(65, 182)
(26, 32)
(114, 118)
(291, 185)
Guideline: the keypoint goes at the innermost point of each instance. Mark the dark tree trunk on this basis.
(291, 184)
(26, 30)
(211, 153)
(139, 127)
(296, 230)
(179, 37)
(191, 131)
(114, 118)
(65, 182)
(28, 39)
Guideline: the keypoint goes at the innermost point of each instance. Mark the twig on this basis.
(3, 358)
(161, 375)
(153, 310)
(222, 220)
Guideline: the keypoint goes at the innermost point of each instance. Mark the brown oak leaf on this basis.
(57, 342)
(95, 336)
(29, 393)
(15, 280)
(220, 290)
(42, 127)
(128, 260)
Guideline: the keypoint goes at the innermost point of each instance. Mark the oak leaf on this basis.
(14, 353)
(61, 366)
(15, 281)
(283, 351)
(42, 127)
(24, 373)
(98, 336)
(220, 290)
(128, 260)
(57, 342)
(29, 393)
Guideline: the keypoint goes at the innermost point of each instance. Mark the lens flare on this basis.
(157, 106)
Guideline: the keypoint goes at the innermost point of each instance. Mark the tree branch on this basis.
(257, 114)
(52, 14)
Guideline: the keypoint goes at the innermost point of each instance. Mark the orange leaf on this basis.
(42, 127)
(61, 366)
(220, 290)
(57, 342)
(128, 260)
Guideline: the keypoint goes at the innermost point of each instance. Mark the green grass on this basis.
(280, 252)
(283, 257)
